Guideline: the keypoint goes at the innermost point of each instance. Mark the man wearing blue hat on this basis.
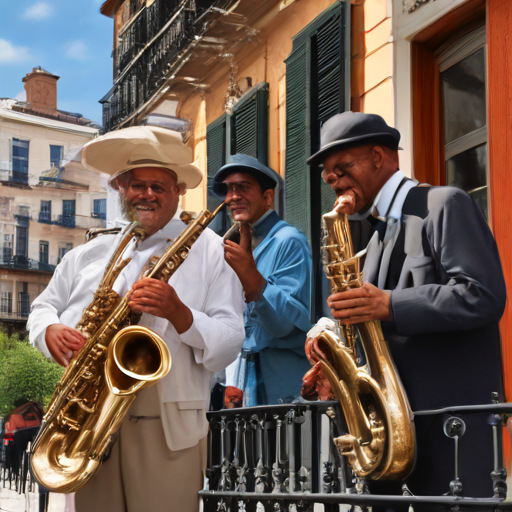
(433, 278)
(274, 266)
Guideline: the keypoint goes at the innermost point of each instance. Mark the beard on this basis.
(127, 211)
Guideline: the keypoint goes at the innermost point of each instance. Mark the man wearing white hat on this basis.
(160, 454)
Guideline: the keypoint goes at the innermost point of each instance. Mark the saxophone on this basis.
(380, 443)
(118, 359)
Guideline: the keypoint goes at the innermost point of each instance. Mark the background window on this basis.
(463, 89)
(22, 238)
(6, 302)
(67, 219)
(56, 155)
(100, 209)
(244, 131)
(43, 252)
(20, 160)
(45, 214)
(24, 300)
(7, 248)
(64, 247)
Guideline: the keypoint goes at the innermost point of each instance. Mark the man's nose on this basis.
(233, 195)
(148, 194)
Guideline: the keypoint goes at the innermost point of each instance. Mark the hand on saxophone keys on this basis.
(62, 342)
(361, 305)
(160, 299)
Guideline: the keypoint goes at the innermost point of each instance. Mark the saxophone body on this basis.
(380, 443)
(99, 385)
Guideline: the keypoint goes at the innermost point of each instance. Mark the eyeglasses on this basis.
(239, 188)
(141, 186)
(337, 173)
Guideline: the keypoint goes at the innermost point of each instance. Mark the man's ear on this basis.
(378, 155)
(268, 197)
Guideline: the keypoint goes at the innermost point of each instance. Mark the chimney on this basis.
(41, 87)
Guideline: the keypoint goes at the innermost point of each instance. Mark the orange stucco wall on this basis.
(263, 62)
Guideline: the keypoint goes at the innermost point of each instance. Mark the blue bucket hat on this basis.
(265, 176)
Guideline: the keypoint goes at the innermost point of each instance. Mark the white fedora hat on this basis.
(142, 146)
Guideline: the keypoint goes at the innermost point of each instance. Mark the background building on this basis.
(45, 209)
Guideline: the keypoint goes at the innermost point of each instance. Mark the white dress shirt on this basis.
(204, 282)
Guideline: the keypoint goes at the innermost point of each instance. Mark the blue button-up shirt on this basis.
(276, 325)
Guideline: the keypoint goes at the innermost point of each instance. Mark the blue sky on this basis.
(69, 38)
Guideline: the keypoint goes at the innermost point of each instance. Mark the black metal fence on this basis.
(283, 457)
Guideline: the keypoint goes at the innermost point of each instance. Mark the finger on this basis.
(245, 236)
(350, 303)
(73, 337)
(155, 311)
(76, 334)
(353, 312)
(145, 293)
(355, 293)
(57, 355)
(232, 250)
(229, 243)
(146, 301)
(141, 283)
(357, 320)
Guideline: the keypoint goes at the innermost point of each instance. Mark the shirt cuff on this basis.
(193, 337)
(40, 343)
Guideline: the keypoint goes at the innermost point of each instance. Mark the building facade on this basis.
(261, 77)
(45, 209)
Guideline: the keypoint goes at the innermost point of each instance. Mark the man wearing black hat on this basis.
(433, 278)
(274, 266)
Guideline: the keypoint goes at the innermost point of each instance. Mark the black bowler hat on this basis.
(265, 176)
(351, 129)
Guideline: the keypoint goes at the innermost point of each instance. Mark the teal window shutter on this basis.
(248, 124)
(216, 144)
(298, 139)
(244, 131)
(315, 91)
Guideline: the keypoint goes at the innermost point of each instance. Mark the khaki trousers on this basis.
(142, 474)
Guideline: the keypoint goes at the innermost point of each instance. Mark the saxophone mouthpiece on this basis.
(345, 204)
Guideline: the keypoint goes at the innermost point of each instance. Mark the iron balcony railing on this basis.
(23, 263)
(15, 177)
(147, 49)
(72, 221)
(143, 27)
(284, 457)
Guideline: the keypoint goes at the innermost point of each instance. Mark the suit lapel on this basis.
(371, 264)
(392, 234)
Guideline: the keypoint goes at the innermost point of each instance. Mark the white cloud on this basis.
(12, 53)
(21, 96)
(77, 50)
(39, 11)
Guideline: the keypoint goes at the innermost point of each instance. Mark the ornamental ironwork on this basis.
(412, 5)
(148, 47)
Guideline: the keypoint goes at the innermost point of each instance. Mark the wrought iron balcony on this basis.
(149, 47)
(8, 176)
(66, 221)
(45, 217)
(23, 263)
(72, 221)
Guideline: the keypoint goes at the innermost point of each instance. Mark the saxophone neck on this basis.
(341, 266)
